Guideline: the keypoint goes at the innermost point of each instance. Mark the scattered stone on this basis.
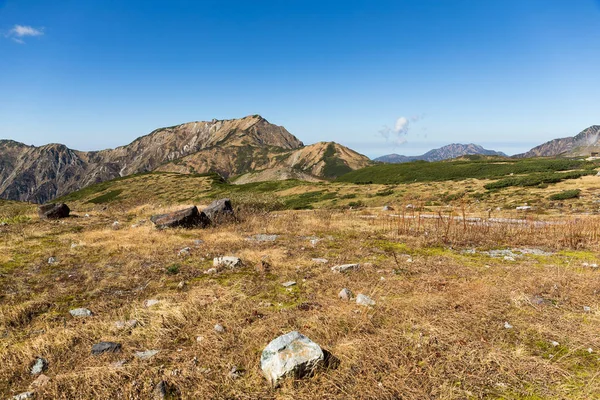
(199, 338)
(388, 208)
(198, 242)
(590, 350)
(507, 325)
(211, 271)
(235, 373)
(288, 284)
(508, 258)
(144, 355)
(292, 354)
(320, 260)
(345, 267)
(119, 364)
(23, 396)
(81, 312)
(130, 324)
(587, 309)
(51, 260)
(73, 245)
(40, 381)
(219, 210)
(116, 225)
(184, 252)
(106, 347)
(161, 390)
(40, 365)
(538, 300)
(53, 211)
(554, 343)
(151, 302)
(227, 261)
(3, 223)
(181, 285)
(219, 328)
(87, 215)
(364, 300)
(345, 294)
(186, 218)
(314, 242)
(523, 208)
(263, 238)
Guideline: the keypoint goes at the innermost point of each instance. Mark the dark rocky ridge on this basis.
(443, 153)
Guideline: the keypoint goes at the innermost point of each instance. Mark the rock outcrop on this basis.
(292, 354)
(53, 211)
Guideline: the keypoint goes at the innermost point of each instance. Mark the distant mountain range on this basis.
(583, 144)
(229, 147)
(443, 153)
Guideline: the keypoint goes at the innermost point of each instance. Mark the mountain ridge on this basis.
(229, 147)
(582, 144)
(446, 152)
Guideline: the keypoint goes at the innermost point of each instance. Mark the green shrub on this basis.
(566, 194)
(106, 197)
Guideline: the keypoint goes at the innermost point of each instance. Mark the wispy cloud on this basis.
(19, 32)
(397, 134)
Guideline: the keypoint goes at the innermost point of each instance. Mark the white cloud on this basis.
(18, 32)
(397, 134)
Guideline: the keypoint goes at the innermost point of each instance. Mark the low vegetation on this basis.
(474, 298)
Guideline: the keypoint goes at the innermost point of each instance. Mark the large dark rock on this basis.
(187, 218)
(219, 210)
(106, 347)
(53, 211)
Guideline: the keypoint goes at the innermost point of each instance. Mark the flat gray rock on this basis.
(219, 210)
(263, 238)
(364, 300)
(227, 262)
(23, 396)
(292, 354)
(288, 284)
(320, 260)
(81, 312)
(345, 267)
(144, 355)
(130, 324)
(106, 347)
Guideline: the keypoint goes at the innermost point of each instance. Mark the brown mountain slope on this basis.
(586, 142)
(39, 174)
(256, 164)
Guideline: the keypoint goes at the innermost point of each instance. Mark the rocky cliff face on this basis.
(315, 162)
(583, 144)
(39, 174)
(443, 153)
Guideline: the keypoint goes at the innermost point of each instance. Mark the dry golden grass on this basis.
(437, 330)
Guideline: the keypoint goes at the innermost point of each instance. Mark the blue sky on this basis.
(378, 76)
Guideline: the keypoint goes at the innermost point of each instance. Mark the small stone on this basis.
(263, 238)
(87, 215)
(227, 261)
(554, 343)
(345, 294)
(235, 373)
(198, 242)
(388, 208)
(507, 325)
(219, 328)
(106, 347)
(51, 260)
(199, 339)
(292, 354)
(151, 302)
(320, 260)
(115, 224)
(184, 252)
(119, 364)
(587, 309)
(160, 391)
(314, 242)
(144, 355)
(81, 312)
(211, 271)
(73, 245)
(364, 300)
(23, 396)
(40, 365)
(590, 350)
(181, 285)
(345, 267)
(288, 284)
(130, 324)
(41, 381)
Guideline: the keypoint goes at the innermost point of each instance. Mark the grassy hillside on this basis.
(540, 171)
